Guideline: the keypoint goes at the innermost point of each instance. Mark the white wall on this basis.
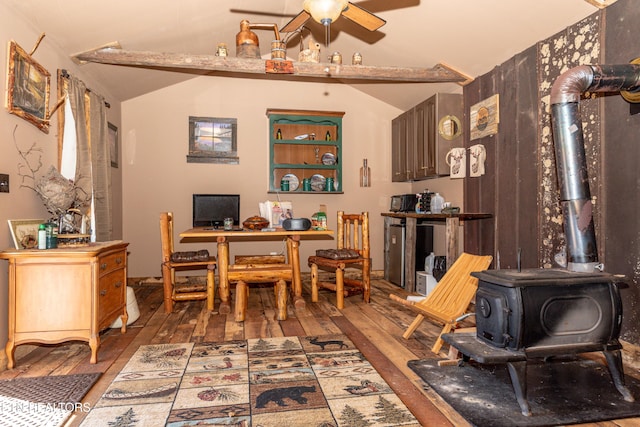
(157, 176)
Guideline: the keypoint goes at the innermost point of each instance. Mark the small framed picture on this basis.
(28, 85)
(212, 140)
(25, 232)
(112, 139)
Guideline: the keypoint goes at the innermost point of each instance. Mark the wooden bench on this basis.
(247, 270)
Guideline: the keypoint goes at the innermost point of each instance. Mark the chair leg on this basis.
(281, 299)
(439, 342)
(366, 280)
(168, 288)
(413, 326)
(339, 288)
(242, 297)
(211, 288)
(314, 283)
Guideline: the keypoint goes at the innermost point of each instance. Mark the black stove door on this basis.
(492, 317)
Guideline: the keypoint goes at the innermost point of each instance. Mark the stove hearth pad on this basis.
(473, 348)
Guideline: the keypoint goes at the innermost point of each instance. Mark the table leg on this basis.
(223, 277)
(452, 226)
(293, 252)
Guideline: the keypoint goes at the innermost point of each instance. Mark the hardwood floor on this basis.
(376, 329)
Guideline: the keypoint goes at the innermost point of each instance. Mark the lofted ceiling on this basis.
(472, 37)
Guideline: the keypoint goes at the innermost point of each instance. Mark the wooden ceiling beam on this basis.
(182, 61)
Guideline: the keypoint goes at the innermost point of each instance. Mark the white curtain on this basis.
(85, 135)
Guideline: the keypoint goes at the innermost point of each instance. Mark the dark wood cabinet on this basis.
(422, 137)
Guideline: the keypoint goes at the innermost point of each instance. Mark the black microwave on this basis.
(403, 203)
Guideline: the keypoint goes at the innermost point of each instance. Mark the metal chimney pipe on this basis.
(571, 164)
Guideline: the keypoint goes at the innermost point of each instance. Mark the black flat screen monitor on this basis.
(210, 210)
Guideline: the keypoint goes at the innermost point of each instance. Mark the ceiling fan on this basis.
(326, 12)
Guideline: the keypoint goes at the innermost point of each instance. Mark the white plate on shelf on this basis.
(328, 159)
(318, 182)
(294, 182)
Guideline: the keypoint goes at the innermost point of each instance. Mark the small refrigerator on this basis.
(424, 246)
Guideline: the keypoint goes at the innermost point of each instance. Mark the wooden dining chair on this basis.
(178, 261)
(352, 253)
(450, 298)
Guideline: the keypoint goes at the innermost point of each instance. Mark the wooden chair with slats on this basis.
(353, 236)
(183, 292)
(450, 298)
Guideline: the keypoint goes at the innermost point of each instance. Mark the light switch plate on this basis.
(4, 183)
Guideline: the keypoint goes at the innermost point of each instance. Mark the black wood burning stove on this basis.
(522, 314)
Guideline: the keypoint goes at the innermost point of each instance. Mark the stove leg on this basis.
(614, 361)
(518, 374)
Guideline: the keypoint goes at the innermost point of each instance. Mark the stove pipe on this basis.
(571, 163)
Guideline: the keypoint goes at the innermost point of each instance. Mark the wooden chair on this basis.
(260, 269)
(450, 298)
(353, 235)
(177, 292)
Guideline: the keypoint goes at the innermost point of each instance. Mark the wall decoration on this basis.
(212, 140)
(112, 139)
(477, 157)
(456, 158)
(25, 232)
(28, 85)
(484, 118)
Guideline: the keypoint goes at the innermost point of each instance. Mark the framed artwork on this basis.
(213, 140)
(112, 139)
(25, 232)
(484, 117)
(28, 85)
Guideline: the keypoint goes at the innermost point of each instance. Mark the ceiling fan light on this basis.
(325, 11)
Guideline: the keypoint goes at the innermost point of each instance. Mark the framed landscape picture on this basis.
(212, 140)
(25, 232)
(28, 85)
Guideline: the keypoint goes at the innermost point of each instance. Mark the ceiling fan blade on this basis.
(363, 17)
(296, 22)
(260, 13)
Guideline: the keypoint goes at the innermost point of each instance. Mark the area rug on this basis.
(284, 381)
(43, 401)
(560, 391)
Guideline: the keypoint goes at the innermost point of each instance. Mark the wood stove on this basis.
(521, 314)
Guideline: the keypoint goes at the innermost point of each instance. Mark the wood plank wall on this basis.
(520, 186)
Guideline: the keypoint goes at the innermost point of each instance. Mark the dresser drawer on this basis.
(111, 295)
(111, 262)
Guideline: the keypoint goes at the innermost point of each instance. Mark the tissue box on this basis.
(424, 283)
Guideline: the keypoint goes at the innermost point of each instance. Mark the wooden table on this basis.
(223, 237)
(64, 294)
(451, 223)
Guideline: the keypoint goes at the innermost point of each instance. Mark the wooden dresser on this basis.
(64, 294)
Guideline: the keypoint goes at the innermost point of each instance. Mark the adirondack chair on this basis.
(450, 298)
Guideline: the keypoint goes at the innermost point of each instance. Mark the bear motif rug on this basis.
(284, 381)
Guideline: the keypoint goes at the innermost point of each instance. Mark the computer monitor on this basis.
(210, 210)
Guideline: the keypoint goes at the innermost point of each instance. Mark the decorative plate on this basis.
(328, 159)
(294, 182)
(317, 182)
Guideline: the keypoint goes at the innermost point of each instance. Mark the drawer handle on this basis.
(118, 260)
(103, 266)
(117, 284)
(103, 292)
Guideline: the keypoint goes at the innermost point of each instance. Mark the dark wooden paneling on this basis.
(526, 137)
(620, 243)
(480, 192)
